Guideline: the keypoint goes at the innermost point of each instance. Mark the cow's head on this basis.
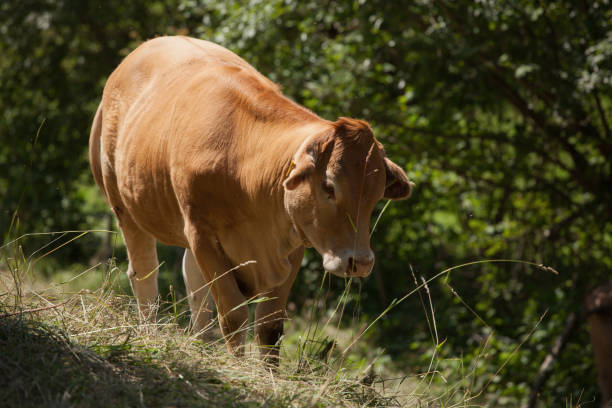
(336, 180)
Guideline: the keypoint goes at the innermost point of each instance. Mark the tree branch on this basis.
(602, 115)
(547, 365)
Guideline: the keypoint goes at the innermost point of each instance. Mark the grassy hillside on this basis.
(72, 337)
(87, 348)
(65, 346)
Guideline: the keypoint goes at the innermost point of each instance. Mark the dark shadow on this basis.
(41, 366)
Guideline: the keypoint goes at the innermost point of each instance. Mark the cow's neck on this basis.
(262, 160)
(270, 151)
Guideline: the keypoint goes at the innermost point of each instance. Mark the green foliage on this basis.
(54, 58)
(499, 111)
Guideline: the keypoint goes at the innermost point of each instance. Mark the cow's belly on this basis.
(166, 229)
(149, 199)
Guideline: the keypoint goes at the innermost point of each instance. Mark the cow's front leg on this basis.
(231, 304)
(270, 315)
(234, 319)
(269, 326)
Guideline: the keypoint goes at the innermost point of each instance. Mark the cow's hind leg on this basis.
(143, 266)
(199, 296)
(271, 314)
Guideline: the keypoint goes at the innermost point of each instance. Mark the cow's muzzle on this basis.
(349, 264)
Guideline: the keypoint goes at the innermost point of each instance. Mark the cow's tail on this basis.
(94, 149)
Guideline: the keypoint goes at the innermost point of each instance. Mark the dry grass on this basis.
(89, 349)
(74, 347)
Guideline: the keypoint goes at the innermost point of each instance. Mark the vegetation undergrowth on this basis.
(63, 346)
(88, 348)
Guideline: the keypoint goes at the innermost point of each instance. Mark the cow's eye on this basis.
(329, 190)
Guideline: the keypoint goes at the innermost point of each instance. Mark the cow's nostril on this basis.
(351, 264)
(359, 266)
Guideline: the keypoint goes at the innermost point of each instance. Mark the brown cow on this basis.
(598, 308)
(192, 147)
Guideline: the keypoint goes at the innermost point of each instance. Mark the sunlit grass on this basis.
(75, 338)
(88, 348)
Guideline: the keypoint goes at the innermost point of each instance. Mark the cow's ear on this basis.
(316, 149)
(398, 185)
(301, 167)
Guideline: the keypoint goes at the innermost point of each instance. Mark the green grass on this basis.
(74, 339)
